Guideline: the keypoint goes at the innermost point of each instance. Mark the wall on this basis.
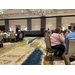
(67, 20)
(2, 22)
(50, 23)
(12, 24)
(35, 24)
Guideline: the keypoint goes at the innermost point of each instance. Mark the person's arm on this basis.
(62, 39)
(62, 35)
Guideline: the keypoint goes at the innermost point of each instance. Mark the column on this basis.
(43, 23)
(58, 22)
(29, 24)
(6, 25)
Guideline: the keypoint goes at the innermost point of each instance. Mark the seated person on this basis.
(48, 34)
(56, 42)
(62, 33)
(67, 32)
(12, 35)
(5, 33)
(71, 35)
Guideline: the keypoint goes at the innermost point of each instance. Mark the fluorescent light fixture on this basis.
(26, 29)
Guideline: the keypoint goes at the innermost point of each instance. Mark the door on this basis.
(18, 27)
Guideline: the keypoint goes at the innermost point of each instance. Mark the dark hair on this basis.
(57, 30)
(48, 28)
(73, 27)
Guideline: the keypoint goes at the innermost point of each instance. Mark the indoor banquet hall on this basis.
(37, 36)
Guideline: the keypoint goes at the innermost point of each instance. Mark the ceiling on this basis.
(27, 13)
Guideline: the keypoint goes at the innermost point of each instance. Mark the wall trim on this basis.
(39, 17)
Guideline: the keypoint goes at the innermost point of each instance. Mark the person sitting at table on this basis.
(5, 33)
(56, 42)
(48, 34)
(71, 35)
(61, 33)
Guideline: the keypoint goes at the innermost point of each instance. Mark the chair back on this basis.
(0, 38)
(48, 43)
(20, 35)
(71, 45)
(67, 60)
(12, 36)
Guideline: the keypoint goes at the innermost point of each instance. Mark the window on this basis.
(66, 21)
(2, 22)
(13, 23)
(50, 23)
(35, 24)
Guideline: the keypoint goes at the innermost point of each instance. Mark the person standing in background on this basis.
(48, 29)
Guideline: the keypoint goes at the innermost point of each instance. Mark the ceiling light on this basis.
(2, 12)
(22, 10)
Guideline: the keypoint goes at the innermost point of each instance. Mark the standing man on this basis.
(17, 30)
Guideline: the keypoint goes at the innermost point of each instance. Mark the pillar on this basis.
(43, 23)
(58, 22)
(29, 24)
(6, 25)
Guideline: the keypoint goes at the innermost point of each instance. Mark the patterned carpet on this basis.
(30, 51)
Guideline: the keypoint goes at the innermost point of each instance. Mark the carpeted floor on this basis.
(30, 51)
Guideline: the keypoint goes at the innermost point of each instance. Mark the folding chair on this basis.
(67, 60)
(1, 38)
(48, 46)
(12, 37)
(70, 51)
(20, 36)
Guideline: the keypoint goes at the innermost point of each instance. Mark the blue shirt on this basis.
(71, 35)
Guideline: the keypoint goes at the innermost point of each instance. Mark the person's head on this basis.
(67, 31)
(57, 30)
(48, 28)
